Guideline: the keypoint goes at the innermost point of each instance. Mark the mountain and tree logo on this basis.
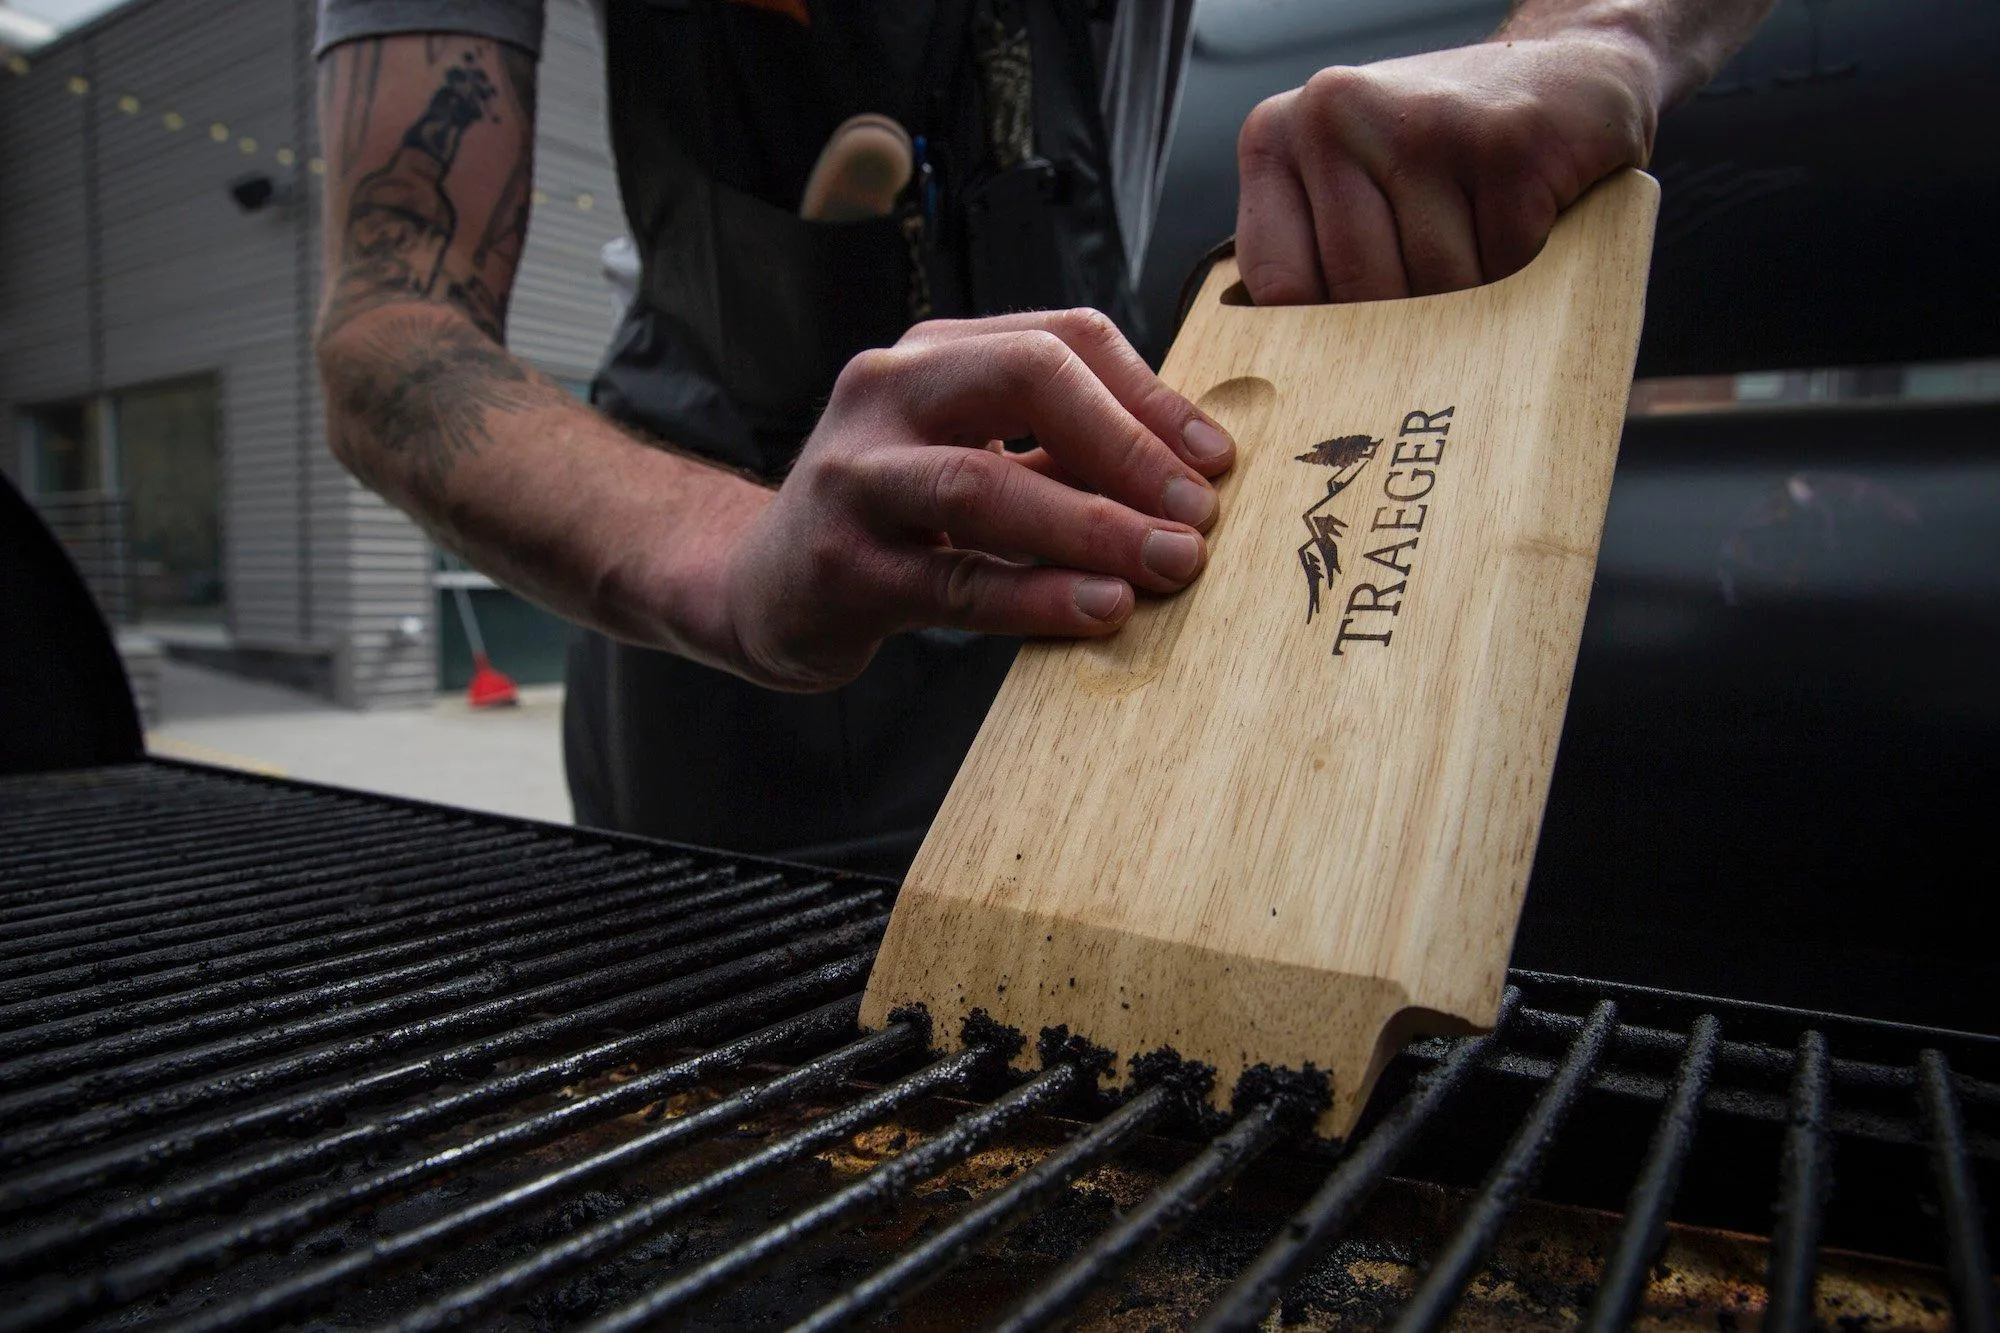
(1319, 554)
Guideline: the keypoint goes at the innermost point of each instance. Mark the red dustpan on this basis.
(489, 687)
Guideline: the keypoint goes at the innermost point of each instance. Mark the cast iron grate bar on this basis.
(146, 1158)
(709, 1022)
(223, 885)
(886, 1184)
(240, 1019)
(636, 1223)
(528, 954)
(1163, 1212)
(930, 1258)
(287, 987)
(301, 1291)
(300, 900)
(1329, 1211)
(1646, 1211)
(571, 976)
(144, 868)
(1510, 1181)
(423, 897)
(1803, 1187)
(1965, 1230)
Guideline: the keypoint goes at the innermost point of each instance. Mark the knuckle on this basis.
(1335, 86)
(1423, 121)
(1137, 452)
(1275, 282)
(827, 561)
(870, 370)
(1510, 139)
(839, 470)
(963, 485)
(1349, 276)
(1102, 529)
(1265, 129)
(1036, 358)
(1159, 403)
(958, 584)
(929, 332)
(1088, 326)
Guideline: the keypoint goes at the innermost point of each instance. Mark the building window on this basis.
(169, 453)
(67, 449)
(132, 483)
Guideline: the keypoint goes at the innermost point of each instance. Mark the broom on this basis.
(489, 688)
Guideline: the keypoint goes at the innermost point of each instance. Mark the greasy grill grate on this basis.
(270, 1053)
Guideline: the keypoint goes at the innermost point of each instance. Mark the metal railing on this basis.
(95, 528)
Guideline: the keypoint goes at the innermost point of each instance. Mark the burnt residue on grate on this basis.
(274, 1056)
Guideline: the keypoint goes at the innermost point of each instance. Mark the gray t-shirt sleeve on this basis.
(516, 22)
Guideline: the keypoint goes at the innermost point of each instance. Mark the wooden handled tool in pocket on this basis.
(1286, 817)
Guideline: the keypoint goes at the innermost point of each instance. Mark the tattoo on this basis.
(420, 390)
(507, 226)
(359, 67)
(402, 219)
(519, 67)
(411, 396)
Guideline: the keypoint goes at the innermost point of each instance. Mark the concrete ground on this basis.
(506, 760)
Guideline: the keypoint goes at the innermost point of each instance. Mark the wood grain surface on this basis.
(1288, 816)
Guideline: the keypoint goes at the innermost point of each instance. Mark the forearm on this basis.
(1684, 42)
(539, 490)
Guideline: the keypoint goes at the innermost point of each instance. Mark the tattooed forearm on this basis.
(418, 392)
(400, 235)
(362, 70)
(400, 217)
(428, 213)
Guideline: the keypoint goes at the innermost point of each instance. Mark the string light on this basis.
(172, 122)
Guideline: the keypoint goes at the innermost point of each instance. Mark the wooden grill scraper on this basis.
(1287, 816)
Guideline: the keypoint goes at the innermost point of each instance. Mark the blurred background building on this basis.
(159, 272)
(1823, 252)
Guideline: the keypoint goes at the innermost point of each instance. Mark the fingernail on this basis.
(1171, 555)
(1101, 599)
(1205, 441)
(1188, 502)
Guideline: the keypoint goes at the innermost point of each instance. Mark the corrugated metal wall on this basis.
(562, 313)
(44, 323)
(94, 184)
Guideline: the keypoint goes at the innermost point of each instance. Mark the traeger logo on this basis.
(1391, 529)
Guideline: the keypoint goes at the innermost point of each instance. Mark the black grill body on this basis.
(273, 1055)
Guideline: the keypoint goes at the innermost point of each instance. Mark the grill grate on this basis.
(270, 1053)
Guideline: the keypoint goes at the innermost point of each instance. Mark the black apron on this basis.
(746, 315)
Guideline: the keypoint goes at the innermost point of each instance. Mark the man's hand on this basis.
(904, 512)
(1446, 170)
